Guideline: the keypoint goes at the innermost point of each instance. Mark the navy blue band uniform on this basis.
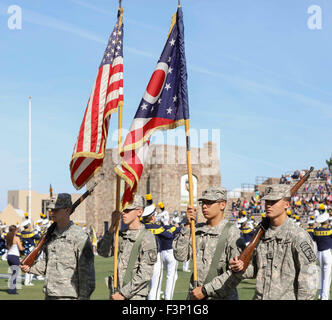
(247, 233)
(29, 240)
(323, 238)
(3, 248)
(311, 230)
(160, 232)
(167, 242)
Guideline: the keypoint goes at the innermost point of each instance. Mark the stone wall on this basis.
(165, 167)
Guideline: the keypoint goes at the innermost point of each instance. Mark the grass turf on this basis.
(103, 268)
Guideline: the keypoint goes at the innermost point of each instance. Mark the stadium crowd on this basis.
(315, 197)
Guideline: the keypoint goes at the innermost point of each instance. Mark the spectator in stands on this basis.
(320, 174)
(308, 188)
(282, 180)
(233, 205)
(296, 174)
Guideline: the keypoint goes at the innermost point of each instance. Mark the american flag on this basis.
(164, 106)
(106, 96)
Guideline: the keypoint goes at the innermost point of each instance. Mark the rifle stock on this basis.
(32, 256)
(248, 251)
(111, 286)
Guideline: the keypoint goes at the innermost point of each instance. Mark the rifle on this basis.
(248, 251)
(32, 256)
(110, 285)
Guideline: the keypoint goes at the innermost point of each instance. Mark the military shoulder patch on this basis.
(308, 252)
(152, 256)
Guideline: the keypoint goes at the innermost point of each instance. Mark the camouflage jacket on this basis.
(68, 264)
(206, 242)
(284, 265)
(137, 288)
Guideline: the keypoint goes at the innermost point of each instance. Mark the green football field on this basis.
(103, 268)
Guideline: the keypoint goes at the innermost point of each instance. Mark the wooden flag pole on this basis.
(118, 186)
(118, 205)
(191, 201)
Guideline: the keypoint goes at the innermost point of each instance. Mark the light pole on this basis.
(29, 201)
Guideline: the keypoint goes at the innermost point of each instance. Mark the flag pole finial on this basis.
(120, 5)
(179, 3)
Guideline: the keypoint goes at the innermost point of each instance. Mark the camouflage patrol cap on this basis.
(138, 202)
(277, 192)
(214, 194)
(60, 201)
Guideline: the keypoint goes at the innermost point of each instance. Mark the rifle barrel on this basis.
(82, 197)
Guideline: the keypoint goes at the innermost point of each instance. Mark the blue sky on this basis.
(256, 72)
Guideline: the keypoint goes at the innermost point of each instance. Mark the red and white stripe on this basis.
(131, 169)
(141, 130)
(89, 150)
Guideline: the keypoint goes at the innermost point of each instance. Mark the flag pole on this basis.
(191, 197)
(47, 213)
(29, 202)
(191, 201)
(118, 183)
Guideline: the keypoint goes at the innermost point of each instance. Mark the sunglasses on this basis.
(207, 202)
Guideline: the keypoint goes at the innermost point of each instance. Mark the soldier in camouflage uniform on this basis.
(137, 286)
(213, 202)
(284, 262)
(68, 259)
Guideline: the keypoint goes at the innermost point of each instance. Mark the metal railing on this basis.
(260, 179)
(247, 187)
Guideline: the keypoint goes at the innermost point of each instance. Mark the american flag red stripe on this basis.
(106, 96)
(131, 170)
(144, 128)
